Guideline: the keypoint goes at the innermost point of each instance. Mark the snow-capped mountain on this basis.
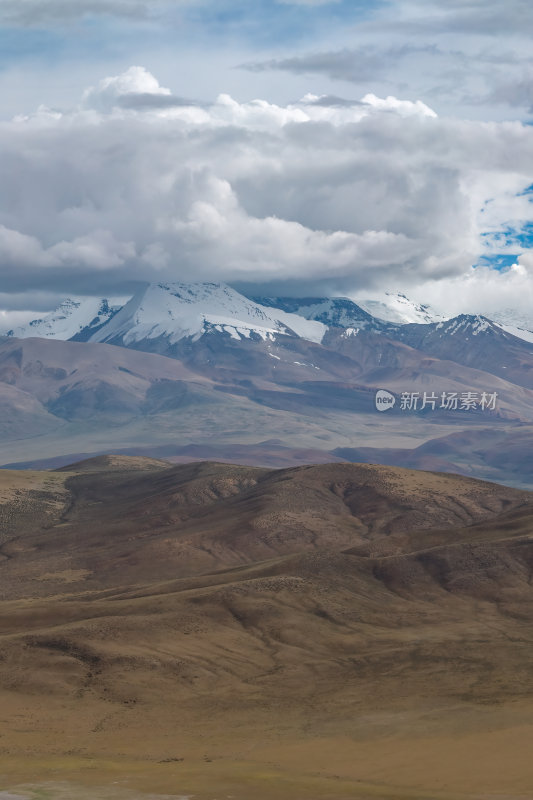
(336, 312)
(462, 326)
(467, 324)
(513, 318)
(179, 311)
(273, 370)
(514, 322)
(441, 338)
(75, 318)
(521, 333)
(475, 341)
(399, 309)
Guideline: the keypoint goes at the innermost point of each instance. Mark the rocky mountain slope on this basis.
(264, 400)
(475, 341)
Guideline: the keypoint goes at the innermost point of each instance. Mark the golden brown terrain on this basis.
(214, 631)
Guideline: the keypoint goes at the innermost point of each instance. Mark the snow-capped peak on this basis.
(514, 322)
(337, 312)
(467, 323)
(176, 311)
(72, 316)
(399, 309)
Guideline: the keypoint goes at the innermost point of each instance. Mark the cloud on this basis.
(308, 2)
(484, 291)
(135, 89)
(449, 78)
(402, 107)
(323, 194)
(357, 65)
(489, 17)
(486, 17)
(14, 319)
(445, 54)
(33, 13)
(458, 56)
(37, 13)
(517, 92)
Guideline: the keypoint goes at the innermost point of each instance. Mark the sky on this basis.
(302, 147)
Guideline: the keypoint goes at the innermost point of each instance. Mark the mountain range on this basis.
(81, 318)
(202, 369)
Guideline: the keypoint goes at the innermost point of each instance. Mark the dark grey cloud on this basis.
(370, 62)
(331, 101)
(357, 65)
(144, 100)
(517, 93)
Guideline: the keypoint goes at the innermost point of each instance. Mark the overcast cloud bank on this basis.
(318, 196)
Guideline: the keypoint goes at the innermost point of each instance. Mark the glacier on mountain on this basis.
(177, 311)
(399, 309)
(72, 316)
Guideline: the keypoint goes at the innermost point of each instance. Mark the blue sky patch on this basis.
(518, 239)
(18, 44)
(267, 22)
(498, 261)
(528, 190)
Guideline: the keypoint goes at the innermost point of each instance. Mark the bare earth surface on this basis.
(215, 631)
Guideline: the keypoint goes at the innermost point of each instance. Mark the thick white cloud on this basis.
(484, 291)
(135, 81)
(137, 184)
(403, 107)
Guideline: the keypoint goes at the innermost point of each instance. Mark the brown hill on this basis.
(115, 463)
(334, 631)
(144, 519)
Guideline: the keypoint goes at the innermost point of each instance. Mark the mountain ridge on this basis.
(180, 311)
(198, 366)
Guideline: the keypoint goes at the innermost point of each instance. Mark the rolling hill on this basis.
(323, 632)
